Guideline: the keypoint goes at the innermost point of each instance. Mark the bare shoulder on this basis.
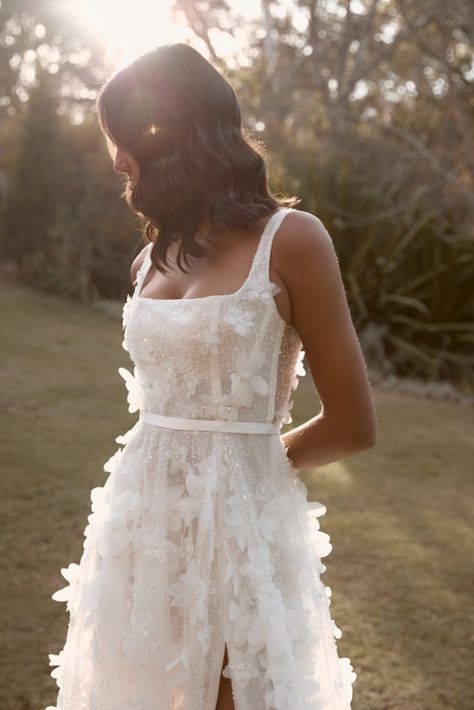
(307, 262)
(303, 235)
(137, 263)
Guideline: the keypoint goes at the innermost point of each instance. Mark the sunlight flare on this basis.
(129, 29)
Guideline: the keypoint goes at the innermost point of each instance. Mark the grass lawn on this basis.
(399, 515)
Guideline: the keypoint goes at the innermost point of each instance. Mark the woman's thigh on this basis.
(225, 700)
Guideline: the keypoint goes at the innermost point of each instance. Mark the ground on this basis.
(399, 515)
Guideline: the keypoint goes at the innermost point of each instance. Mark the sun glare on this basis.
(128, 29)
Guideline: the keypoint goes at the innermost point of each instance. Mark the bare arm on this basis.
(346, 424)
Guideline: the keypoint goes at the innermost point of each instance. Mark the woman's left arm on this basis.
(346, 424)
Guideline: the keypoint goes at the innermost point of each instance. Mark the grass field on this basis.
(399, 515)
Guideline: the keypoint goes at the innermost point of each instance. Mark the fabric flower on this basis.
(242, 617)
(276, 635)
(263, 290)
(70, 573)
(293, 620)
(108, 526)
(234, 557)
(162, 550)
(121, 505)
(209, 335)
(98, 495)
(125, 319)
(315, 510)
(190, 506)
(242, 668)
(231, 574)
(177, 454)
(125, 438)
(126, 311)
(271, 517)
(299, 369)
(157, 550)
(99, 507)
(241, 320)
(234, 524)
(286, 416)
(256, 634)
(181, 657)
(210, 466)
(320, 542)
(347, 674)
(113, 461)
(336, 630)
(56, 659)
(113, 541)
(259, 562)
(131, 383)
(190, 592)
(174, 494)
(245, 381)
(281, 696)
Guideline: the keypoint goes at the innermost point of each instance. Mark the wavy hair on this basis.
(180, 119)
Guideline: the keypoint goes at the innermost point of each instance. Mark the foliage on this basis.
(62, 220)
(364, 110)
(406, 257)
(30, 205)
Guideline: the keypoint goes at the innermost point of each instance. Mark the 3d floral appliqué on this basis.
(245, 381)
(263, 290)
(241, 320)
(131, 383)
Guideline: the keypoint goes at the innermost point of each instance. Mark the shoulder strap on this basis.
(142, 271)
(262, 257)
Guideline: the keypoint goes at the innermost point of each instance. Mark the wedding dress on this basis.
(202, 534)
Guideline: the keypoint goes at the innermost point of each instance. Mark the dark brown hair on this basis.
(180, 119)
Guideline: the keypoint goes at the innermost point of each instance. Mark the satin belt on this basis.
(210, 424)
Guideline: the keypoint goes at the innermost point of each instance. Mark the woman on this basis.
(199, 586)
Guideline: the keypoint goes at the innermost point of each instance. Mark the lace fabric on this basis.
(203, 538)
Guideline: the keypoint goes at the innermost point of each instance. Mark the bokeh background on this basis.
(365, 110)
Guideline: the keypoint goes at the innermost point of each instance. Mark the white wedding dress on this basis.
(202, 534)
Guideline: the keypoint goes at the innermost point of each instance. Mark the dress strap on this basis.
(260, 268)
(261, 265)
(143, 270)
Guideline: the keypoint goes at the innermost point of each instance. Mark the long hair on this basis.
(180, 119)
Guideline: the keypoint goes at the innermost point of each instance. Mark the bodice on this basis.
(227, 357)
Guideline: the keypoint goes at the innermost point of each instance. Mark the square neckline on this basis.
(261, 243)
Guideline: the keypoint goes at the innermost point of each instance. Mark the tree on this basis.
(31, 199)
